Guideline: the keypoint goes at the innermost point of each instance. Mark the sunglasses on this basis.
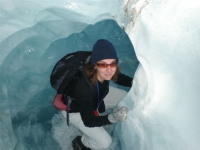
(104, 66)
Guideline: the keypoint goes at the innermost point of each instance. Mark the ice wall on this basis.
(34, 36)
(164, 100)
(166, 86)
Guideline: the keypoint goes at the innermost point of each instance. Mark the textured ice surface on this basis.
(165, 92)
(34, 36)
(164, 100)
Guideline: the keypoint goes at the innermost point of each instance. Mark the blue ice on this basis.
(163, 101)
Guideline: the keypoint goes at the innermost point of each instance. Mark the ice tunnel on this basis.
(157, 42)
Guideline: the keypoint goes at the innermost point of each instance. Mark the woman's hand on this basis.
(118, 115)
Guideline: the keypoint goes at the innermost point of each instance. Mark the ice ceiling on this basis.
(163, 101)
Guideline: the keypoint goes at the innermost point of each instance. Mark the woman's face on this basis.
(106, 69)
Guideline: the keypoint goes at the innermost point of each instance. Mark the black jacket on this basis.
(88, 97)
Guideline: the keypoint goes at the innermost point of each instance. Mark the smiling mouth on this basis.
(108, 75)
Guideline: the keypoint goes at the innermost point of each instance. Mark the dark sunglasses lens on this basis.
(113, 65)
(103, 66)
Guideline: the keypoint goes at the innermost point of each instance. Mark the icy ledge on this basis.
(165, 92)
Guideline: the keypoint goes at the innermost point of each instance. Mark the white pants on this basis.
(97, 138)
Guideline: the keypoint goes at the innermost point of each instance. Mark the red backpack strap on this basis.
(58, 102)
(60, 105)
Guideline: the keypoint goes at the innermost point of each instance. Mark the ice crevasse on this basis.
(164, 99)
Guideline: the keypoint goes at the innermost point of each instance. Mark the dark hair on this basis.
(90, 71)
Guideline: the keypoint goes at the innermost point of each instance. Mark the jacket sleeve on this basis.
(85, 100)
(124, 80)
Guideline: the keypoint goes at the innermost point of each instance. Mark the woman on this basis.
(89, 89)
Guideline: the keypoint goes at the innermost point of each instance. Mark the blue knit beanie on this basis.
(103, 49)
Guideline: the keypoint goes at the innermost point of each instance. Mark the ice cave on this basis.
(158, 45)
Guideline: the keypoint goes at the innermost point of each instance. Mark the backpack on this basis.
(66, 68)
(62, 74)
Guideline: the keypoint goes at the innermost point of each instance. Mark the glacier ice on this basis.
(34, 36)
(164, 99)
(165, 90)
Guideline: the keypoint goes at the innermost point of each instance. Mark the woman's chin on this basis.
(108, 78)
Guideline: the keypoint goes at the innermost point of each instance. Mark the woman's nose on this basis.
(108, 68)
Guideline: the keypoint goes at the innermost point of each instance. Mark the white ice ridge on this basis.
(166, 86)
